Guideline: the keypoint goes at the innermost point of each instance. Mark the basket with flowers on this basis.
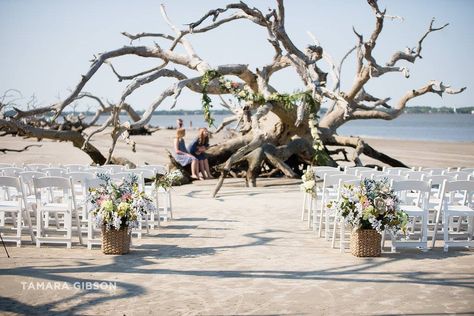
(116, 208)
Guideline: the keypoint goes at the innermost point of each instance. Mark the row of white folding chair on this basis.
(450, 206)
(418, 211)
(14, 213)
(53, 195)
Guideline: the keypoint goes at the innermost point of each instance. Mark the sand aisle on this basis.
(243, 253)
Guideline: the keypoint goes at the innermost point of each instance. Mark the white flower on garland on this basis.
(309, 182)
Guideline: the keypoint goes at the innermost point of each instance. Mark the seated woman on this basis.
(182, 156)
(198, 148)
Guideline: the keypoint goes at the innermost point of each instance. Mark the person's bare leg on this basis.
(208, 171)
(202, 169)
(194, 169)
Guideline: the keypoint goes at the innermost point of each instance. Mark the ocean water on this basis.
(432, 127)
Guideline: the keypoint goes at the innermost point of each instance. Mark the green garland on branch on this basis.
(206, 100)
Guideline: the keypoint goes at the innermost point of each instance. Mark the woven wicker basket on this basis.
(116, 242)
(366, 243)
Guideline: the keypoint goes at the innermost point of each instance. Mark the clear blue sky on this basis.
(47, 45)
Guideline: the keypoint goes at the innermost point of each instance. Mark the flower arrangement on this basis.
(309, 182)
(119, 205)
(169, 179)
(372, 205)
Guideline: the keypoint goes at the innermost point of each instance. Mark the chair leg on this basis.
(445, 232)
(18, 228)
(342, 238)
(321, 212)
(334, 227)
(437, 218)
(303, 210)
(170, 209)
(79, 231)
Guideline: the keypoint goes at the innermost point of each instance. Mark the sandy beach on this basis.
(245, 252)
(152, 150)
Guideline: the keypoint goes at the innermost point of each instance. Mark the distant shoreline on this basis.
(408, 110)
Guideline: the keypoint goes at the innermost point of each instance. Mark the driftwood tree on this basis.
(280, 129)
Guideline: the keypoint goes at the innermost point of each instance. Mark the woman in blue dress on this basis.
(182, 156)
(198, 149)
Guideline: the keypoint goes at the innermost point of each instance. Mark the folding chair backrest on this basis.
(94, 183)
(415, 175)
(11, 188)
(114, 168)
(470, 170)
(11, 171)
(322, 173)
(390, 177)
(368, 174)
(333, 180)
(421, 188)
(55, 172)
(74, 167)
(53, 189)
(464, 187)
(342, 183)
(396, 170)
(355, 170)
(27, 179)
(37, 166)
(437, 179)
(79, 180)
(459, 175)
(434, 171)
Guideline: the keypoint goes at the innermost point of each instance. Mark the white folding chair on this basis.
(458, 215)
(309, 202)
(329, 192)
(417, 210)
(92, 231)
(55, 195)
(342, 230)
(14, 215)
(80, 192)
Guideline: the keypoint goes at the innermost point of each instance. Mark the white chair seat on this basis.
(11, 206)
(55, 207)
(459, 210)
(411, 209)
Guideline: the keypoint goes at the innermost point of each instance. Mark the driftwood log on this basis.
(275, 129)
